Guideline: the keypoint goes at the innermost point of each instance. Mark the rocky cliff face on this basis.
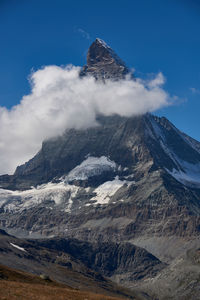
(109, 259)
(103, 63)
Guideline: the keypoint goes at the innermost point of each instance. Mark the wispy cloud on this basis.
(84, 33)
(195, 91)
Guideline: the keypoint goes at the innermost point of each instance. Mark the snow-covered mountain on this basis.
(138, 163)
(133, 179)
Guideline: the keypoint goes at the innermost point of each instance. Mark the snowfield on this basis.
(13, 201)
(92, 166)
(108, 189)
(63, 193)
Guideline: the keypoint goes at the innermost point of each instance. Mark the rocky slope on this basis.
(180, 280)
(79, 265)
(109, 259)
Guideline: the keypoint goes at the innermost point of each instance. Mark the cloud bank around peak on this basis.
(60, 99)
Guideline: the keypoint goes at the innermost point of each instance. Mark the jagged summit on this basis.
(102, 42)
(103, 62)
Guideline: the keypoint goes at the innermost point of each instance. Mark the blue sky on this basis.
(150, 36)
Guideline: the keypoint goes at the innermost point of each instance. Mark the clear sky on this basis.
(149, 35)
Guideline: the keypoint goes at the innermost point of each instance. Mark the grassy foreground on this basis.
(17, 285)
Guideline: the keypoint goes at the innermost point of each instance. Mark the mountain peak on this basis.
(101, 42)
(103, 62)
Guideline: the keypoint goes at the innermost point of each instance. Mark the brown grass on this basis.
(18, 285)
(13, 290)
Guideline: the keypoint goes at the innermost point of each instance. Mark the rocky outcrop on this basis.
(103, 63)
(109, 259)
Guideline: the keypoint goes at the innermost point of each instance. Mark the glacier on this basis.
(91, 166)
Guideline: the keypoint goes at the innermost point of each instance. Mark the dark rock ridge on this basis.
(108, 259)
(104, 63)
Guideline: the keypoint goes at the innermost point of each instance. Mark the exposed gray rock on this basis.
(103, 63)
(109, 259)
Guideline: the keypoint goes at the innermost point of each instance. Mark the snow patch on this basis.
(158, 133)
(13, 201)
(18, 247)
(92, 166)
(184, 172)
(103, 43)
(189, 175)
(108, 189)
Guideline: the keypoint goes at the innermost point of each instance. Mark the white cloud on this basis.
(194, 90)
(84, 33)
(60, 99)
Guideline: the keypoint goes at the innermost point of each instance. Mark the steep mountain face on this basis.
(103, 63)
(124, 168)
(134, 180)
